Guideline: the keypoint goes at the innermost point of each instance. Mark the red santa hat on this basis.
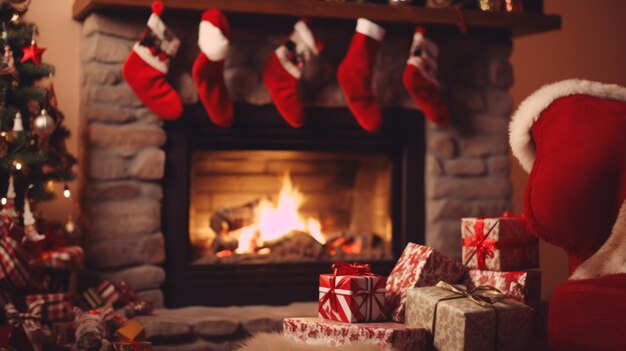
(571, 137)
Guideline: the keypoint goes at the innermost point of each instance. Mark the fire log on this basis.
(296, 244)
(226, 219)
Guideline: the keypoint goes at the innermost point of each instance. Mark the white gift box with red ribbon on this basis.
(352, 298)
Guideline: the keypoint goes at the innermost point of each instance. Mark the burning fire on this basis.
(273, 221)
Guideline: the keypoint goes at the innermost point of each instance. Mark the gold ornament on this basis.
(43, 125)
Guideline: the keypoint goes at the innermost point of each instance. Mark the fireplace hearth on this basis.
(360, 187)
(139, 170)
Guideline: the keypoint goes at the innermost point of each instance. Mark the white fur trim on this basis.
(531, 108)
(431, 49)
(369, 28)
(304, 32)
(150, 59)
(282, 53)
(611, 257)
(212, 41)
(169, 45)
(157, 26)
(278, 341)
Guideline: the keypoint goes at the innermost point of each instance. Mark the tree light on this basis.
(66, 192)
(3, 201)
(17, 165)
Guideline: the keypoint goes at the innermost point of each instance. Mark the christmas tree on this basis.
(32, 135)
(35, 258)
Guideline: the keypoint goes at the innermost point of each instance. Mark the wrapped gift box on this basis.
(352, 298)
(523, 286)
(56, 307)
(131, 346)
(418, 266)
(90, 299)
(460, 323)
(68, 258)
(131, 331)
(390, 336)
(498, 244)
(108, 292)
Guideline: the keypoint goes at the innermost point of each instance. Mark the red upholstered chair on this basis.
(571, 137)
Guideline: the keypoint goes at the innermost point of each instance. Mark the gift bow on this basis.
(31, 319)
(483, 295)
(345, 268)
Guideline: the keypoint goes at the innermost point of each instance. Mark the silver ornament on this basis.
(43, 125)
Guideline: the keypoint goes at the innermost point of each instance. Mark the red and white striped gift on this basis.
(108, 292)
(357, 297)
(56, 308)
(63, 258)
(13, 265)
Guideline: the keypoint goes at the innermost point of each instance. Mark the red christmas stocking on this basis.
(355, 74)
(146, 67)
(420, 79)
(284, 68)
(208, 70)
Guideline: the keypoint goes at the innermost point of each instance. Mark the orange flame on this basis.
(274, 221)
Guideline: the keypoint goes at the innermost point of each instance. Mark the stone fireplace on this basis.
(140, 210)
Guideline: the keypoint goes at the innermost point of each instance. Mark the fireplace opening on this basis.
(352, 195)
(270, 206)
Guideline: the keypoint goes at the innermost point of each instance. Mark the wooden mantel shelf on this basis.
(518, 24)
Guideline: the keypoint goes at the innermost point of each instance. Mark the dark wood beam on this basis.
(517, 23)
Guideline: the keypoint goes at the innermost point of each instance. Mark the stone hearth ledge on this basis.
(216, 328)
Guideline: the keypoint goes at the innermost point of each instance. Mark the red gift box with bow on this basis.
(498, 244)
(352, 293)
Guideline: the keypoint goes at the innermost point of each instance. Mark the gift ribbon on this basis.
(483, 247)
(345, 268)
(483, 295)
(369, 297)
(331, 295)
(57, 306)
(30, 320)
(341, 268)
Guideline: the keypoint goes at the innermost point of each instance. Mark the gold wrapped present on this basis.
(131, 331)
(477, 319)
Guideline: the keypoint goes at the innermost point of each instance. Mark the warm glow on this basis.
(17, 165)
(277, 220)
(3, 201)
(66, 192)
